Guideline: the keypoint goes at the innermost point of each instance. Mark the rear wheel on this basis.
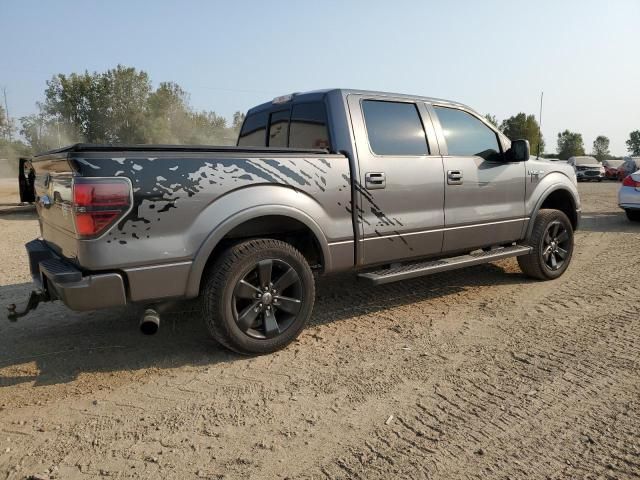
(552, 246)
(633, 215)
(258, 296)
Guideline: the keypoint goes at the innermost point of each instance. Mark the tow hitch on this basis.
(35, 298)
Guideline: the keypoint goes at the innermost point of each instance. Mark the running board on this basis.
(412, 270)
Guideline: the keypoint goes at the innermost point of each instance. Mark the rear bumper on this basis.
(629, 198)
(64, 281)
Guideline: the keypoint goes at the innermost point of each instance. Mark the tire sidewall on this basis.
(554, 216)
(243, 342)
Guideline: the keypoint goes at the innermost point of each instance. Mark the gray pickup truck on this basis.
(388, 186)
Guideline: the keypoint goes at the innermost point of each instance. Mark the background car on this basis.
(629, 196)
(587, 168)
(630, 165)
(611, 168)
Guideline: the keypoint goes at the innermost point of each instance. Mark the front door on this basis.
(484, 194)
(401, 179)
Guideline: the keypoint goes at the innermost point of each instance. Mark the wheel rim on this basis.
(267, 299)
(556, 244)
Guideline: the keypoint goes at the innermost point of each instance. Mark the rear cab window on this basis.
(309, 126)
(302, 125)
(254, 129)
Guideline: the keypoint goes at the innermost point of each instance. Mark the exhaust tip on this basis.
(150, 323)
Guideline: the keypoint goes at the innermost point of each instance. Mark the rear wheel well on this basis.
(278, 227)
(562, 200)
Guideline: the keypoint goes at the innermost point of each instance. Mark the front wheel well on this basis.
(562, 200)
(277, 227)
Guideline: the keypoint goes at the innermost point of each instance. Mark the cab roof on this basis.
(320, 95)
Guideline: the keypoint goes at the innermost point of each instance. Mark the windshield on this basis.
(585, 161)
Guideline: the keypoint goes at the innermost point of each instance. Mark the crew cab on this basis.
(385, 185)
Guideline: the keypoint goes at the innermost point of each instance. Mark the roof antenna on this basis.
(540, 124)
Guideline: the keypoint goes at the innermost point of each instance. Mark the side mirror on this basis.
(519, 151)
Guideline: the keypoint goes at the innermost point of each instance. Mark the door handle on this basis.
(454, 177)
(375, 180)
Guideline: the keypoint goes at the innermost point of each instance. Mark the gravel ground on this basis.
(480, 373)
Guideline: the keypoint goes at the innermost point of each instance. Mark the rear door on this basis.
(401, 179)
(484, 194)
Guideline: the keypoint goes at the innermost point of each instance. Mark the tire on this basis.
(550, 255)
(240, 320)
(633, 215)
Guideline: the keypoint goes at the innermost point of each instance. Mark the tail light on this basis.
(630, 182)
(98, 203)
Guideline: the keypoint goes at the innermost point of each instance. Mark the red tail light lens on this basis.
(98, 203)
(630, 182)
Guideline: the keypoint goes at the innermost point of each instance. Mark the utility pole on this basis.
(540, 123)
(6, 109)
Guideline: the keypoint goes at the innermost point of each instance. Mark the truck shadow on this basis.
(54, 345)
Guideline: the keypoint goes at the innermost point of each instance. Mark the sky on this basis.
(494, 55)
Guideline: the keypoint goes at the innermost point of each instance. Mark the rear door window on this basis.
(394, 128)
(309, 126)
(254, 130)
(467, 136)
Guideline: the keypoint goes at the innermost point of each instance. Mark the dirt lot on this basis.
(480, 373)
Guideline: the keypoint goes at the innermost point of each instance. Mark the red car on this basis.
(611, 168)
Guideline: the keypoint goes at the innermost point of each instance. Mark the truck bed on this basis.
(182, 193)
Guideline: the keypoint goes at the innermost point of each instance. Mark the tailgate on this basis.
(53, 195)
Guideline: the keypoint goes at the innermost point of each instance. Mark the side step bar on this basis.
(412, 270)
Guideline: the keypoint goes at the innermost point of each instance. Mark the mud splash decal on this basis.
(160, 184)
(374, 208)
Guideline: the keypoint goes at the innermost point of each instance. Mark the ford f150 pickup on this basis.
(388, 186)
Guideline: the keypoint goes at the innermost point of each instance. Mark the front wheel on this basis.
(258, 296)
(552, 246)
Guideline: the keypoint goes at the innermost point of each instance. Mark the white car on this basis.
(587, 168)
(629, 196)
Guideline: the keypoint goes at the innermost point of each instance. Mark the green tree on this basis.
(491, 119)
(523, 126)
(633, 144)
(601, 148)
(570, 144)
(119, 106)
(104, 107)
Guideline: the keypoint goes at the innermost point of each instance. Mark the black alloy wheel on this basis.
(257, 296)
(551, 242)
(555, 245)
(267, 299)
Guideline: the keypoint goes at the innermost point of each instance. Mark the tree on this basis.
(570, 144)
(119, 106)
(238, 118)
(523, 126)
(601, 148)
(6, 125)
(491, 119)
(633, 144)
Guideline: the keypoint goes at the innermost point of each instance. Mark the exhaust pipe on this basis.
(150, 322)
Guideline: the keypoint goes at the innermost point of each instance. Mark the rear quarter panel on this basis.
(181, 200)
